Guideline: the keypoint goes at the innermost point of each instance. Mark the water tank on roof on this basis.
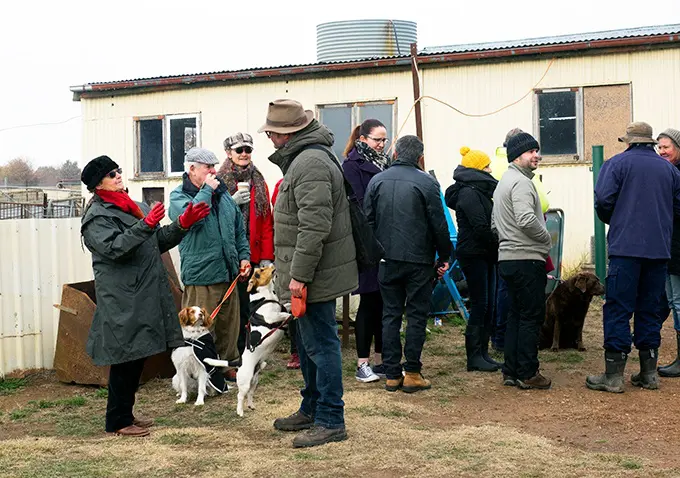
(358, 39)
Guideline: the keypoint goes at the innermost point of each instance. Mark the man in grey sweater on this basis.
(524, 243)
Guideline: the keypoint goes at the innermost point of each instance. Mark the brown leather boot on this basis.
(132, 431)
(393, 384)
(415, 382)
(142, 422)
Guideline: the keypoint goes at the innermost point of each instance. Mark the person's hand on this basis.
(241, 197)
(155, 215)
(211, 180)
(244, 269)
(193, 214)
(296, 288)
(441, 270)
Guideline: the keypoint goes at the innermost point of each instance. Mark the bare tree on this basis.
(47, 176)
(69, 171)
(19, 172)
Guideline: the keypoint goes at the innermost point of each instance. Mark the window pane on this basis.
(339, 121)
(383, 113)
(557, 122)
(151, 146)
(182, 139)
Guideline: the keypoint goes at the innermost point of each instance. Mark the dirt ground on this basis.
(467, 425)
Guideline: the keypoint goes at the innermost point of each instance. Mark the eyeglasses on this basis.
(113, 173)
(241, 149)
(379, 140)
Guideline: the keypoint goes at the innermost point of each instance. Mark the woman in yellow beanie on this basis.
(477, 251)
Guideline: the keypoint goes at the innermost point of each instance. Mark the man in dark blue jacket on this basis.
(404, 206)
(637, 194)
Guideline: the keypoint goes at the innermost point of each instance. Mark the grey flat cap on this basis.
(201, 155)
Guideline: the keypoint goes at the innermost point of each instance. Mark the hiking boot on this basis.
(318, 435)
(293, 362)
(415, 382)
(670, 370)
(142, 422)
(509, 381)
(647, 378)
(473, 350)
(132, 431)
(394, 384)
(365, 374)
(294, 423)
(538, 381)
(379, 370)
(612, 378)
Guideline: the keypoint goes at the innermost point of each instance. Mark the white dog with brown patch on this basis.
(190, 361)
(266, 317)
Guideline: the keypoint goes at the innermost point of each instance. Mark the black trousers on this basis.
(244, 306)
(406, 288)
(292, 333)
(481, 280)
(526, 281)
(123, 384)
(368, 324)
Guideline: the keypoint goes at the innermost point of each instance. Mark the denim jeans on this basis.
(634, 286)
(321, 365)
(405, 287)
(673, 295)
(526, 280)
(502, 309)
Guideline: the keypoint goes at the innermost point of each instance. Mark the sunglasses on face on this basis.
(241, 149)
(113, 173)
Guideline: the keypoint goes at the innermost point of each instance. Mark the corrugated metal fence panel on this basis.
(39, 256)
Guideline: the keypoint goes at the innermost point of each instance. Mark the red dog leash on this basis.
(231, 288)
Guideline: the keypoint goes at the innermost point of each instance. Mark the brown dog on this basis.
(565, 312)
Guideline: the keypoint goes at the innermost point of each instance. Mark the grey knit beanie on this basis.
(672, 134)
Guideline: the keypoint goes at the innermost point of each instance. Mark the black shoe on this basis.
(672, 369)
(319, 435)
(294, 423)
(612, 378)
(647, 378)
(509, 381)
(473, 349)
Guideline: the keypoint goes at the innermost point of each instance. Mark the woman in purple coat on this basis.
(364, 158)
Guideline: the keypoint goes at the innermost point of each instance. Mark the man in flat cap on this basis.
(637, 194)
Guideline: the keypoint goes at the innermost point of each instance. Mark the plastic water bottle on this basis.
(437, 321)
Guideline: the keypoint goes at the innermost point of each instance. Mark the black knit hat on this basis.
(95, 170)
(519, 144)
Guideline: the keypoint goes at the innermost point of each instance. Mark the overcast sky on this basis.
(47, 46)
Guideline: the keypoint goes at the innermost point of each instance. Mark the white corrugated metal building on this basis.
(574, 91)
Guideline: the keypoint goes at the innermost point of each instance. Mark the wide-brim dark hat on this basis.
(96, 170)
(286, 116)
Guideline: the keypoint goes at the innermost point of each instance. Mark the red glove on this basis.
(155, 215)
(193, 214)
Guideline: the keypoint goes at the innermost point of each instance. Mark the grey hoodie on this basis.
(518, 219)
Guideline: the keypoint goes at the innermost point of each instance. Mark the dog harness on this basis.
(203, 348)
(255, 338)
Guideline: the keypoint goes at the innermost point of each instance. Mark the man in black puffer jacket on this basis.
(477, 251)
(404, 206)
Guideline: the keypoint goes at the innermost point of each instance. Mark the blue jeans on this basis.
(673, 295)
(321, 365)
(634, 286)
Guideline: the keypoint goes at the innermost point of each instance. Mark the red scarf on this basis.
(121, 200)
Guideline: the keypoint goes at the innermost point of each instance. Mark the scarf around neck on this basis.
(380, 160)
(121, 200)
(233, 174)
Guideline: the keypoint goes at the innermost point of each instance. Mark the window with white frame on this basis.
(558, 121)
(162, 141)
(342, 118)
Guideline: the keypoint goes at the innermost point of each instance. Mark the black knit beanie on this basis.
(95, 170)
(519, 144)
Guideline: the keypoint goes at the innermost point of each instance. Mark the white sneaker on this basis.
(365, 374)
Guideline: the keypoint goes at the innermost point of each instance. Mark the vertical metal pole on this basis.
(600, 241)
(416, 89)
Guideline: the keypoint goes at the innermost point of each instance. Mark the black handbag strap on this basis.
(348, 188)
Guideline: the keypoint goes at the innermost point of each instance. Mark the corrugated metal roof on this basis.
(672, 29)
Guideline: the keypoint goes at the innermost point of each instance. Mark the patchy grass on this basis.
(11, 385)
(102, 393)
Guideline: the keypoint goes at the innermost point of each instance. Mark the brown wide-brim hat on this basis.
(638, 132)
(286, 116)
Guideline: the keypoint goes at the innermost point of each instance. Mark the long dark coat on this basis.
(136, 315)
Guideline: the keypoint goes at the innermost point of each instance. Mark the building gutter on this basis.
(152, 84)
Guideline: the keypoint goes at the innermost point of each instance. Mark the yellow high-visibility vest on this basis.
(499, 165)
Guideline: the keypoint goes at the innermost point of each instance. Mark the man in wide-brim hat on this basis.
(632, 196)
(314, 251)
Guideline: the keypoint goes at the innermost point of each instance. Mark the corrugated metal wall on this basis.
(38, 257)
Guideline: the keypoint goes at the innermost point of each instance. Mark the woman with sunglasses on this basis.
(255, 208)
(364, 158)
(136, 316)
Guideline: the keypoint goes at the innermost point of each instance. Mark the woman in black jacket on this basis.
(477, 251)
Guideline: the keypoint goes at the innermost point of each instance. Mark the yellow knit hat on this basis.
(474, 159)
